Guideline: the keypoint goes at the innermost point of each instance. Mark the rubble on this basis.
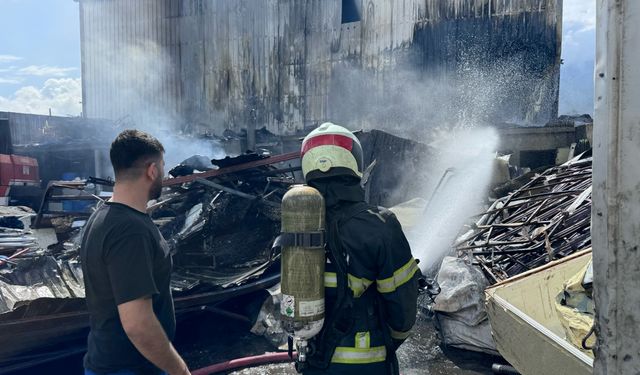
(219, 218)
(15, 239)
(219, 227)
(546, 219)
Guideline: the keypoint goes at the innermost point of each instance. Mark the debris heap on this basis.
(546, 219)
(220, 228)
(13, 235)
(219, 224)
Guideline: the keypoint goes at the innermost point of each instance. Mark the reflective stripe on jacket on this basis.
(378, 253)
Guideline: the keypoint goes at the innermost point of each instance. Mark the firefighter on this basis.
(371, 278)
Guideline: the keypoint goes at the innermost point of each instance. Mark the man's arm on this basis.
(145, 332)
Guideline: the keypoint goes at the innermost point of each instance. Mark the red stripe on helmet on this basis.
(328, 140)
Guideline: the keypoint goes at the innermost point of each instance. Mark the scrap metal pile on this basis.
(546, 219)
(15, 241)
(28, 268)
(13, 237)
(220, 228)
(219, 225)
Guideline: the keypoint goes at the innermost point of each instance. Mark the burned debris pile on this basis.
(33, 265)
(546, 219)
(36, 279)
(220, 229)
(14, 242)
(218, 223)
(219, 218)
(13, 236)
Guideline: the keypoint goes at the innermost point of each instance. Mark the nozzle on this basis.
(302, 348)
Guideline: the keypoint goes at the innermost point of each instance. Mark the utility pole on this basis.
(616, 188)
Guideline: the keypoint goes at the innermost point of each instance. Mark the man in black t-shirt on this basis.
(127, 269)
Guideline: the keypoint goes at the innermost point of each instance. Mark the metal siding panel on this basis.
(260, 53)
(113, 31)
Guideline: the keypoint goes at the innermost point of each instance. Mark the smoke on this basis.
(142, 78)
(456, 114)
(410, 103)
(464, 166)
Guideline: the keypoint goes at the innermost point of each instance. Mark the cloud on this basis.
(9, 58)
(61, 95)
(45, 71)
(578, 54)
(10, 80)
(580, 12)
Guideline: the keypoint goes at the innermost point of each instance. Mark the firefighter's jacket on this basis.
(383, 279)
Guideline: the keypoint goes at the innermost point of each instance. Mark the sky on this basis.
(578, 55)
(40, 57)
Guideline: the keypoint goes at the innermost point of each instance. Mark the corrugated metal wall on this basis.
(291, 64)
(131, 58)
(29, 129)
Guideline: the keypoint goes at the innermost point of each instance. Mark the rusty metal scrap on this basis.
(546, 219)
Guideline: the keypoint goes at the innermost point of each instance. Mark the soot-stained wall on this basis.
(402, 65)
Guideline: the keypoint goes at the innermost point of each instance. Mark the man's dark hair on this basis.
(133, 149)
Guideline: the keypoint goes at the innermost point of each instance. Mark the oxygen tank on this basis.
(303, 259)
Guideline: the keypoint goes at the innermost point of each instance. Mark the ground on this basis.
(204, 339)
(421, 354)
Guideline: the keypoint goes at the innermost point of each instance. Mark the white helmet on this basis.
(331, 150)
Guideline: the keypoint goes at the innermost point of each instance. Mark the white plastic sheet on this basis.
(460, 307)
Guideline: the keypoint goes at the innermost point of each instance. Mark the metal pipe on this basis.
(234, 191)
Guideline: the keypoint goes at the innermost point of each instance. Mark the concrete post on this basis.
(616, 187)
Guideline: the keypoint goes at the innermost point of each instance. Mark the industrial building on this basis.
(205, 66)
(63, 146)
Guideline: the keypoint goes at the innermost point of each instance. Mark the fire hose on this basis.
(245, 362)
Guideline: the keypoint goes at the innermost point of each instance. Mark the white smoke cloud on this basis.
(453, 114)
(62, 95)
(139, 70)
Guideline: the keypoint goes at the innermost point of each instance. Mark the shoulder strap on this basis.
(341, 319)
(349, 212)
